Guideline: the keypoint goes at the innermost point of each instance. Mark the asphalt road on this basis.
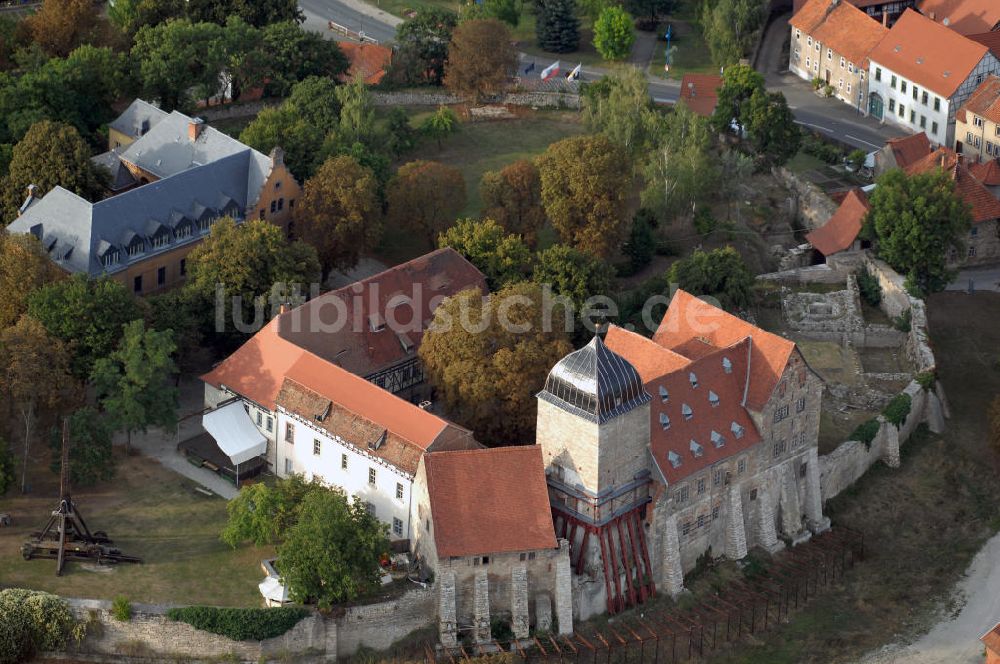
(827, 116)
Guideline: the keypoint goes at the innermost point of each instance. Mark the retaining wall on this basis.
(814, 207)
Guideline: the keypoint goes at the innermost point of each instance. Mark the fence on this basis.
(661, 635)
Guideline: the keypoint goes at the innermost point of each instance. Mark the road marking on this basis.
(861, 140)
(806, 124)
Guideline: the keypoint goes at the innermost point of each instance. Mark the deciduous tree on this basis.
(573, 273)
(502, 257)
(739, 82)
(423, 41)
(481, 59)
(295, 54)
(614, 33)
(619, 107)
(488, 358)
(91, 458)
(512, 197)
(557, 29)
(8, 469)
(131, 15)
(508, 11)
(440, 125)
(649, 10)
(425, 197)
(24, 268)
(917, 220)
(333, 551)
(262, 514)
(177, 55)
(357, 113)
(339, 213)
(50, 154)
(585, 180)
(255, 12)
(771, 127)
(720, 273)
(729, 27)
(134, 385)
(682, 170)
(59, 26)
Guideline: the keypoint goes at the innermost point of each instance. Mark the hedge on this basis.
(33, 621)
(240, 624)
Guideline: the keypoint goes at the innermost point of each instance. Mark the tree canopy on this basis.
(91, 458)
(481, 59)
(729, 27)
(487, 358)
(59, 26)
(619, 106)
(423, 45)
(262, 513)
(24, 268)
(585, 180)
(614, 33)
(917, 221)
(573, 273)
(557, 29)
(179, 54)
(295, 54)
(682, 170)
(512, 197)
(258, 13)
(771, 127)
(503, 258)
(425, 197)
(739, 82)
(720, 273)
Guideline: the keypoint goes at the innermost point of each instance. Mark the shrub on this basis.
(817, 147)
(240, 624)
(868, 285)
(33, 621)
(902, 321)
(121, 609)
(856, 159)
(898, 409)
(704, 222)
(828, 90)
(866, 432)
(817, 83)
(926, 379)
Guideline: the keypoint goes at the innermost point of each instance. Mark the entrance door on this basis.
(875, 106)
(828, 77)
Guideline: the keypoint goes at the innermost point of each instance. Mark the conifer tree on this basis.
(557, 29)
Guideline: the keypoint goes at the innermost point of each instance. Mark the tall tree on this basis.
(557, 29)
(572, 273)
(503, 258)
(585, 180)
(257, 13)
(720, 273)
(24, 268)
(332, 553)
(423, 41)
(512, 197)
(87, 315)
(614, 33)
(263, 513)
(134, 384)
(917, 221)
(649, 10)
(729, 27)
(50, 154)
(508, 11)
(481, 59)
(771, 127)
(340, 213)
(34, 369)
(682, 170)
(425, 197)
(91, 455)
(357, 113)
(619, 107)
(739, 82)
(295, 54)
(59, 26)
(176, 55)
(488, 357)
(441, 124)
(131, 15)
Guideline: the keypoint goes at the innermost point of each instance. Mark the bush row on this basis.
(240, 624)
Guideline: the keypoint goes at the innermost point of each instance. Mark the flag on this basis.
(550, 71)
(575, 74)
(530, 68)
(670, 31)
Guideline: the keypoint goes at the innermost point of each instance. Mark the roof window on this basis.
(713, 398)
(727, 366)
(376, 322)
(693, 379)
(718, 440)
(737, 430)
(664, 395)
(674, 458)
(664, 421)
(696, 449)
(687, 412)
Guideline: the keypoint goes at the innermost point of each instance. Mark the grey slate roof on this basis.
(121, 177)
(595, 383)
(133, 118)
(77, 233)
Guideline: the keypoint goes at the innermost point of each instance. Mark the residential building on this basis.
(884, 11)
(700, 93)
(134, 123)
(991, 642)
(988, 172)
(177, 176)
(840, 232)
(703, 438)
(831, 40)
(901, 152)
(977, 123)
(966, 17)
(922, 72)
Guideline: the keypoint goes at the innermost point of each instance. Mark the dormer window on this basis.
(135, 247)
(696, 449)
(664, 421)
(727, 366)
(376, 322)
(737, 430)
(161, 239)
(111, 257)
(674, 458)
(687, 412)
(713, 398)
(693, 379)
(183, 230)
(205, 223)
(405, 342)
(664, 395)
(718, 440)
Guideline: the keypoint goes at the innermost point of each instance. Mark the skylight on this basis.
(664, 421)
(687, 412)
(696, 449)
(674, 458)
(717, 439)
(664, 395)
(737, 430)
(693, 379)
(713, 398)
(727, 366)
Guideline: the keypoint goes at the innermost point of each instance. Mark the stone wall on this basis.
(378, 626)
(895, 301)
(813, 206)
(515, 98)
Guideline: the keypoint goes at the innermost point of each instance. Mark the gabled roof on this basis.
(984, 101)
(984, 204)
(841, 229)
(991, 640)
(121, 177)
(370, 61)
(990, 40)
(649, 358)
(841, 26)
(139, 116)
(380, 321)
(909, 149)
(700, 92)
(489, 501)
(929, 54)
(987, 172)
(689, 318)
(966, 17)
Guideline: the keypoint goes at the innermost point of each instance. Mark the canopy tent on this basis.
(273, 591)
(234, 432)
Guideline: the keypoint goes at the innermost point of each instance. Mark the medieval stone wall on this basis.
(813, 207)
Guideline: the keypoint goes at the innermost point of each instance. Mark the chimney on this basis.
(195, 127)
(29, 200)
(885, 18)
(284, 308)
(277, 157)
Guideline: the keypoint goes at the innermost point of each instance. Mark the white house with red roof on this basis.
(658, 450)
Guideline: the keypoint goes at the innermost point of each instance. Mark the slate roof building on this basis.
(176, 176)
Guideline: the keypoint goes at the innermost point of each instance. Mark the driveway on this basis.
(955, 639)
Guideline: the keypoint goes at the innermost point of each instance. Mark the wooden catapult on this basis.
(66, 535)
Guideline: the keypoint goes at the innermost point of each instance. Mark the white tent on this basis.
(235, 432)
(273, 591)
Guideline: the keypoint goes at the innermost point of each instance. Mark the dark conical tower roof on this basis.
(595, 383)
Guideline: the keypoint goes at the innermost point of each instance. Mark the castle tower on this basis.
(593, 428)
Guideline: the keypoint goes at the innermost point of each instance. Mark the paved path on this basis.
(955, 639)
(980, 278)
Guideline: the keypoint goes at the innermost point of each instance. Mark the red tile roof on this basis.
(369, 60)
(649, 358)
(489, 501)
(990, 40)
(689, 318)
(379, 322)
(987, 172)
(908, 149)
(927, 53)
(841, 229)
(991, 640)
(840, 26)
(966, 17)
(700, 92)
(984, 101)
(985, 205)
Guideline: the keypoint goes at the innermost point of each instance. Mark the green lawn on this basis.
(150, 512)
(691, 55)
